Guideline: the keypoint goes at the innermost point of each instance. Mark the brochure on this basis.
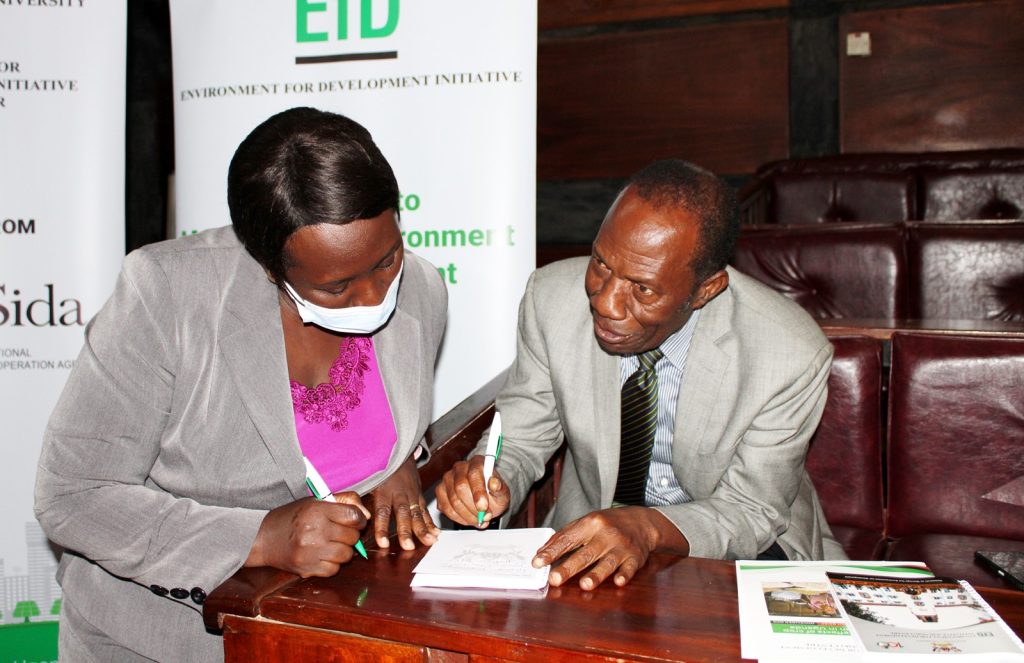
(913, 619)
(787, 612)
(492, 559)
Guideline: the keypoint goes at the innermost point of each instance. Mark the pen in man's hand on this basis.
(491, 453)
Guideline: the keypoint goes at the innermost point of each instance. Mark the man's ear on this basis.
(710, 288)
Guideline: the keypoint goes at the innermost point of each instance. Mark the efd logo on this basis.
(371, 25)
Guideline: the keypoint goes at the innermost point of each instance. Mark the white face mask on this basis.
(352, 319)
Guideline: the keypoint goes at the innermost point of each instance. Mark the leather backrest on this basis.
(893, 162)
(845, 457)
(956, 432)
(833, 271)
(868, 187)
(966, 271)
(803, 198)
(971, 194)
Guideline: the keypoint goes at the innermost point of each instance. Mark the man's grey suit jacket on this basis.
(753, 390)
(175, 434)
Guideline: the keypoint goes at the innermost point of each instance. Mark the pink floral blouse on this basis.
(345, 426)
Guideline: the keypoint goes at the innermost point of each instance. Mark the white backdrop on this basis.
(448, 90)
(62, 115)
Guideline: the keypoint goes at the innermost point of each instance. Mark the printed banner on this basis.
(62, 115)
(448, 90)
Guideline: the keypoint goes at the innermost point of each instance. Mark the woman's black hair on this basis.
(302, 167)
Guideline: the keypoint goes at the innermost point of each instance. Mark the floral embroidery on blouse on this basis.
(330, 402)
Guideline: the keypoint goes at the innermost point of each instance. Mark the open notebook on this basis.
(490, 559)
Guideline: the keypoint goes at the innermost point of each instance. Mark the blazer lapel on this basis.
(697, 413)
(252, 343)
(398, 348)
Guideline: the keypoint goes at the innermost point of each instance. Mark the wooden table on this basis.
(883, 328)
(674, 610)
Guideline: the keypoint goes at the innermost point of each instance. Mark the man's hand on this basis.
(461, 493)
(400, 496)
(310, 537)
(610, 541)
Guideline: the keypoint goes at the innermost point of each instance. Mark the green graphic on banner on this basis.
(31, 642)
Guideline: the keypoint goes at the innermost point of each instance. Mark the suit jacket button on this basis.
(158, 590)
(198, 595)
(179, 593)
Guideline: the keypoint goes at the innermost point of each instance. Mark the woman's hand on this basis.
(310, 537)
(400, 495)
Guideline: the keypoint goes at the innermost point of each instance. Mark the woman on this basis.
(175, 455)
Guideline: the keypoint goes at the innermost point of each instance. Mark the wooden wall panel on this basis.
(582, 13)
(945, 77)
(714, 94)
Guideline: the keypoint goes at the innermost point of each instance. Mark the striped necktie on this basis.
(639, 422)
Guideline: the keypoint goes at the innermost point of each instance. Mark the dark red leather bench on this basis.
(966, 270)
(845, 456)
(956, 433)
(799, 198)
(836, 271)
(888, 187)
(964, 193)
(916, 270)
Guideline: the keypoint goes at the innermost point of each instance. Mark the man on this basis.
(687, 393)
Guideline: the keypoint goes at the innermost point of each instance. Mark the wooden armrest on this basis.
(241, 594)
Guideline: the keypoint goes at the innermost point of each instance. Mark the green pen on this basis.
(318, 487)
(491, 453)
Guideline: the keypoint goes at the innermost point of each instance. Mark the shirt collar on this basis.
(675, 346)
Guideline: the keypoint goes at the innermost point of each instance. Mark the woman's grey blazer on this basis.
(175, 435)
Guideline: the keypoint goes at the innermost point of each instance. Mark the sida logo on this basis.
(329, 20)
(44, 311)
